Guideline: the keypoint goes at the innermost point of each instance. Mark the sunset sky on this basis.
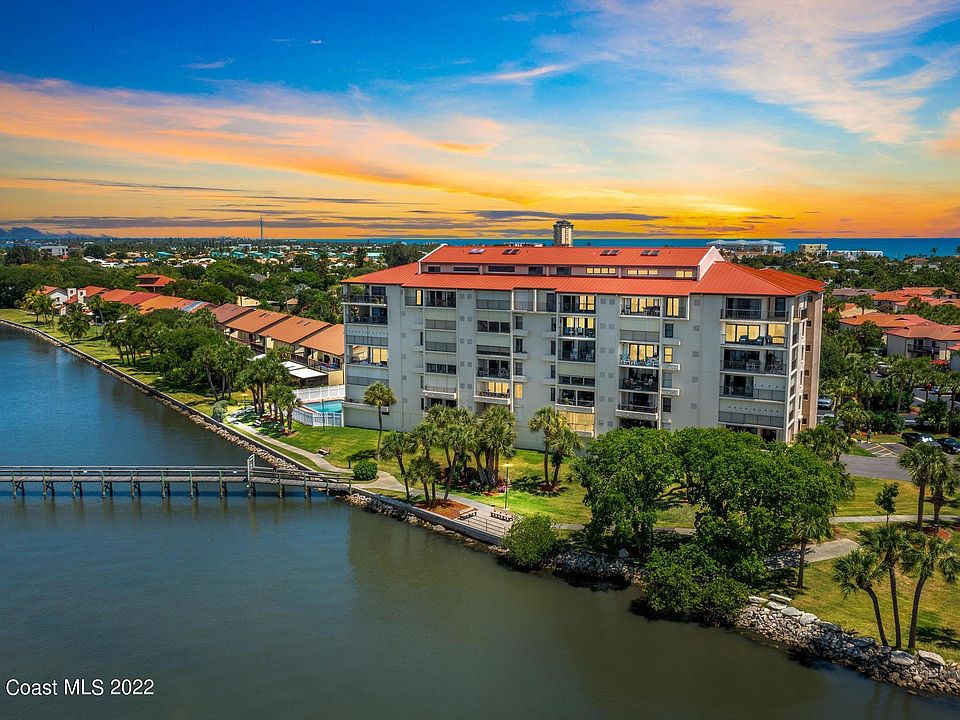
(720, 118)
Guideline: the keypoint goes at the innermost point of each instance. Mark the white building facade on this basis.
(615, 337)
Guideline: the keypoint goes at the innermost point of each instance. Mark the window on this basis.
(642, 271)
(477, 251)
(747, 334)
(640, 306)
(601, 271)
(511, 251)
(684, 274)
(553, 371)
(518, 345)
(668, 354)
(441, 368)
(466, 268)
(518, 391)
(579, 422)
(777, 333)
(565, 271)
(433, 268)
(535, 270)
(501, 268)
(517, 367)
(668, 330)
(493, 326)
(553, 347)
(518, 322)
(553, 394)
(666, 404)
(610, 251)
(676, 307)
(553, 324)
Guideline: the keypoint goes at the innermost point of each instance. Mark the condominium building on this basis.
(563, 233)
(611, 337)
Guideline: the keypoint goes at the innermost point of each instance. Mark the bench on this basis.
(467, 514)
(502, 515)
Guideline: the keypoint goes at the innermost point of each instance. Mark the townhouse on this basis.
(611, 337)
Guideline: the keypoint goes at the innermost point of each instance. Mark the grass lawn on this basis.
(857, 450)
(564, 505)
(939, 622)
(867, 489)
(346, 444)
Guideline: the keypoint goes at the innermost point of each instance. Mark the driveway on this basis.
(885, 468)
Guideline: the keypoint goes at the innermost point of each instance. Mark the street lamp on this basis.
(506, 487)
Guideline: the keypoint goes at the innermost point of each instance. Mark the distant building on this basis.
(847, 292)
(813, 248)
(749, 247)
(54, 250)
(153, 282)
(856, 254)
(563, 233)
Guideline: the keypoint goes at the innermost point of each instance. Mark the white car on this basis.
(824, 403)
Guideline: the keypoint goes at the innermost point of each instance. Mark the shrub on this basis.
(364, 471)
(688, 583)
(219, 410)
(934, 415)
(530, 540)
(886, 421)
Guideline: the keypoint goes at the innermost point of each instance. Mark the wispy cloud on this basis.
(519, 76)
(214, 65)
(815, 58)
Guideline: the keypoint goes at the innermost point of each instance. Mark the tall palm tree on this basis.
(890, 544)
(927, 557)
(460, 435)
(74, 322)
(380, 396)
(564, 443)
(546, 420)
(498, 433)
(285, 400)
(858, 571)
(942, 485)
(927, 464)
(826, 442)
(853, 416)
(398, 444)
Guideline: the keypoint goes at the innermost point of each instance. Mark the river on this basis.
(267, 608)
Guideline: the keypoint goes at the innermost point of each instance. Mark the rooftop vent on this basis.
(648, 251)
(477, 251)
(511, 251)
(610, 251)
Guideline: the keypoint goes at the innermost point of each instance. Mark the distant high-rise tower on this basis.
(261, 228)
(563, 233)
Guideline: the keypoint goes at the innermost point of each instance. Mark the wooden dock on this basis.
(245, 477)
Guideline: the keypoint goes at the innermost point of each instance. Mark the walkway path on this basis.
(894, 518)
(830, 550)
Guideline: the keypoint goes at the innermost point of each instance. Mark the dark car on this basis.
(913, 438)
(950, 445)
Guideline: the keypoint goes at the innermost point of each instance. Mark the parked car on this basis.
(824, 403)
(950, 445)
(914, 438)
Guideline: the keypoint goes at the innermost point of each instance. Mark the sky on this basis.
(701, 118)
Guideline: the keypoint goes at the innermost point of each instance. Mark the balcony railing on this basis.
(753, 314)
(493, 350)
(629, 407)
(753, 393)
(490, 373)
(578, 332)
(576, 309)
(755, 366)
(650, 362)
(484, 304)
(440, 346)
(570, 402)
(638, 386)
(366, 361)
(523, 305)
(441, 303)
(548, 306)
(653, 311)
(440, 389)
(735, 418)
(492, 394)
(763, 340)
(578, 356)
(368, 319)
(366, 299)
(356, 339)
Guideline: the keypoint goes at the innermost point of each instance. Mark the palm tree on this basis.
(942, 485)
(75, 322)
(546, 420)
(398, 444)
(425, 471)
(926, 558)
(564, 443)
(826, 442)
(890, 544)
(864, 303)
(459, 435)
(285, 400)
(927, 464)
(380, 396)
(853, 416)
(809, 526)
(858, 571)
(497, 434)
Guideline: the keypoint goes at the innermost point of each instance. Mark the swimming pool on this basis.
(326, 406)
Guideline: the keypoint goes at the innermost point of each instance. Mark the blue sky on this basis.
(826, 117)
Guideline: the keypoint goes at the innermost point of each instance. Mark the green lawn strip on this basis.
(565, 505)
(867, 489)
(939, 623)
(857, 450)
(286, 451)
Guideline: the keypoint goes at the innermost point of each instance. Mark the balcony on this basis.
(585, 406)
(761, 341)
(367, 362)
(671, 391)
(735, 418)
(485, 304)
(498, 374)
(755, 366)
(524, 305)
(433, 346)
(641, 312)
(495, 350)
(574, 356)
(367, 320)
(442, 392)
(548, 306)
(637, 412)
(753, 314)
(650, 362)
(750, 393)
(364, 299)
(491, 396)
(578, 332)
(639, 385)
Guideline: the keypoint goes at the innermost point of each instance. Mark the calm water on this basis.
(241, 608)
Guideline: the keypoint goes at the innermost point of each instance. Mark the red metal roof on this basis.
(115, 295)
(562, 255)
(228, 311)
(256, 321)
(135, 298)
(886, 320)
(329, 340)
(294, 329)
(722, 278)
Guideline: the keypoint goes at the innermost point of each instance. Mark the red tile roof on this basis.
(153, 280)
(670, 257)
(256, 321)
(934, 331)
(135, 298)
(722, 278)
(92, 290)
(294, 329)
(886, 320)
(229, 311)
(164, 302)
(329, 340)
(115, 295)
